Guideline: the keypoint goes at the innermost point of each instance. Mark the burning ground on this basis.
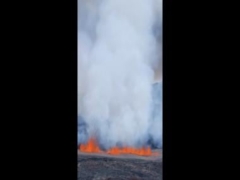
(92, 147)
(118, 163)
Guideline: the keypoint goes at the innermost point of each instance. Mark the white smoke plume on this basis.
(119, 55)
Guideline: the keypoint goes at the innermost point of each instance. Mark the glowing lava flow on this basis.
(129, 150)
(92, 147)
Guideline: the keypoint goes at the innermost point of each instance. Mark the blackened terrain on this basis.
(108, 168)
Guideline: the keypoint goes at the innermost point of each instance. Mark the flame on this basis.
(130, 150)
(92, 147)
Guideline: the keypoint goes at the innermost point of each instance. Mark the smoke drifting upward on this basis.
(119, 53)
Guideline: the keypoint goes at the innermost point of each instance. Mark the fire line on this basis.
(92, 147)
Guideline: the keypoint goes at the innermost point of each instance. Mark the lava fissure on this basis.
(92, 147)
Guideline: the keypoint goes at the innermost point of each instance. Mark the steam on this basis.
(118, 59)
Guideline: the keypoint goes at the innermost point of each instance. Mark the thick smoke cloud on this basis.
(119, 55)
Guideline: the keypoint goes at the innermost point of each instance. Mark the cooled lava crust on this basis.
(122, 167)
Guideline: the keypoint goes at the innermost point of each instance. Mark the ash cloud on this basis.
(119, 58)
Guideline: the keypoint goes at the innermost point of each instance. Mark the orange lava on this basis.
(92, 147)
(130, 150)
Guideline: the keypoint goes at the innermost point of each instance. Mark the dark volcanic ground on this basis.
(92, 167)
